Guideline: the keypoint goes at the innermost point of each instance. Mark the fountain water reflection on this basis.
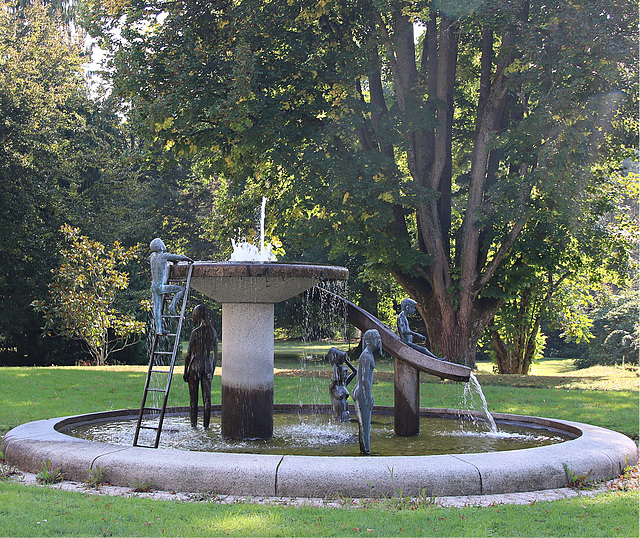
(319, 435)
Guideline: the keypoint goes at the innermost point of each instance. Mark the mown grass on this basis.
(34, 511)
(601, 396)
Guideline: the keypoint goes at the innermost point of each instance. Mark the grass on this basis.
(601, 396)
(32, 511)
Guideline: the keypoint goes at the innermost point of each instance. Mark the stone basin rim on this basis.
(598, 452)
(208, 269)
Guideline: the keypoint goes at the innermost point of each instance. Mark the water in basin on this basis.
(319, 435)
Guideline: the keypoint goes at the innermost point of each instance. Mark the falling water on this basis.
(473, 388)
(319, 321)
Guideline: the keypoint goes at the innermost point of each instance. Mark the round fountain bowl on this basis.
(256, 282)
(597, 452)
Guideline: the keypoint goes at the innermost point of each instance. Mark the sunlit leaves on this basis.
(82, 295)
(385, 150)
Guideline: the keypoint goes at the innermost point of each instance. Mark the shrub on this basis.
(615, 330)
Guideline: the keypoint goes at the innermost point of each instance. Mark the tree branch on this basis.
(470, 234)
(505, 246)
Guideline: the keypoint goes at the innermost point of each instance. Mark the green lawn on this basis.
(33, 511)
(602, 396)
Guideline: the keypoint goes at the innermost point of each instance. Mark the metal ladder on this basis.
(150, 417)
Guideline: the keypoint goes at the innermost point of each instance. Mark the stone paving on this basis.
(629, 481)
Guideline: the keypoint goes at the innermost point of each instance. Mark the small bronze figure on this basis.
(159, 278)
(198, 364)
(408, 308)
(362, 396)
(338, 392)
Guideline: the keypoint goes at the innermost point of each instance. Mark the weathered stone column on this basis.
(247, 370)
(406, 395)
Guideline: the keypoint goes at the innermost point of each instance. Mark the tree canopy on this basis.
(439, 158)
(68, 156)
(41, 89)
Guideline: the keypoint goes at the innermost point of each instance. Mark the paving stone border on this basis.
(596, 452)
(457, 501)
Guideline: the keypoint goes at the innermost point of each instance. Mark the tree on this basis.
(41, 87)
(82, 296)
(561, 272)
(432, 163)
(64, 10)
(515, 333)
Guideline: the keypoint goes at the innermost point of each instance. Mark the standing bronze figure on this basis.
(362, 396)
(338, 392)
(199, 366)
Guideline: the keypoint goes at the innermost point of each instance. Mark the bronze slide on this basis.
(390, 341)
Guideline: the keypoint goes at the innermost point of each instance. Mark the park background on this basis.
(368, 160)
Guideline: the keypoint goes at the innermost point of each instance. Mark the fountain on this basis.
(248, 291)
(248, 286)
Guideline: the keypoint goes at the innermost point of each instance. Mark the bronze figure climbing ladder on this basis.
(151, 417)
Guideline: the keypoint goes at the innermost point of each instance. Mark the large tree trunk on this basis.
(452, 308)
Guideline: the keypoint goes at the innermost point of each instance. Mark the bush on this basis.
(557, 346)
(615, 330)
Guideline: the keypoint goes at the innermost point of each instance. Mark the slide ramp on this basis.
(391, 343)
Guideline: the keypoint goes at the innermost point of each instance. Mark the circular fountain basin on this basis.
(597, 452)
(256, 282)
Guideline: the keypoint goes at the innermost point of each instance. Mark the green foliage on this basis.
(616, 332)
(42, 93)
(440, 164)
(575, 480)
(141, 487)
(67, 156)
(49, 474)
(97, 477)
(516, 336)
(64, 9)
(82, 296)
(559, 277)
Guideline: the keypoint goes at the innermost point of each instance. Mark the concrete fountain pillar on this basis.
(247, 374)
(248, 292)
